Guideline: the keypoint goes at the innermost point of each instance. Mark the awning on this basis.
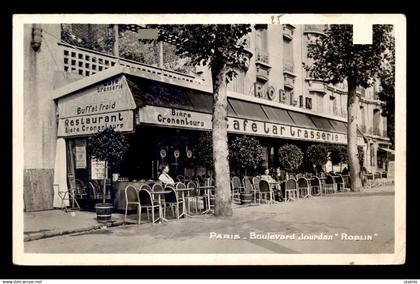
(322, 123)
(339, 126)
(388, 150)
(302, 119)
(248, 110)
(278, 115)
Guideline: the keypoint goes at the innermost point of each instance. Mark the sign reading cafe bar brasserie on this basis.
(188, 119)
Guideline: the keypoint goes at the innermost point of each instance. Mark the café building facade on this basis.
(163, 112)
(163, 121)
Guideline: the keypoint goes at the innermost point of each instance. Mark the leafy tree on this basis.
(246, 153)
(221, 48)
(316, 154)
(338, 154)
(203, 151)
(387, 94)
(290, 158)
(109, 146)
(335, 59)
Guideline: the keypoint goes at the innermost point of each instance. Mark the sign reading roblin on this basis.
(195, 120)
(107, 104)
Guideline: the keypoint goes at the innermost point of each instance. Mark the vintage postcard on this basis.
(204, 139)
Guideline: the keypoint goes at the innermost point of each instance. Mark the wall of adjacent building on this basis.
(40, 126)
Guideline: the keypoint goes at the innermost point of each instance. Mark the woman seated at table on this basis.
(165, 178)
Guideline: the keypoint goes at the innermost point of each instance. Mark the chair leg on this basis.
(125, 215)
(139, 210)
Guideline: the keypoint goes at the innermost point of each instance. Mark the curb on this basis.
(49, 234)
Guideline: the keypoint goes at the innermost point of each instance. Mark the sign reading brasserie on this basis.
(188, 119)
(107, 104)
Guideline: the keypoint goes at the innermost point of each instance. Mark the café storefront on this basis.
(163, 122)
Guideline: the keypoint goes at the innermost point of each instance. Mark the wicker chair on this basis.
(147, 201)
(291, 190)
(236, 189)
(132, 197)
(329, 185)
(157, 186)
(193, 197)
(316, 188)
(173, 201)
(256, 185)
(265, 192)
(303, 187)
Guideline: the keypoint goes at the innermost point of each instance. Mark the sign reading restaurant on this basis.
(195, 120)
(107, 104)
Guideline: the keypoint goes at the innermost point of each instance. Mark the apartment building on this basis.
(163, 105)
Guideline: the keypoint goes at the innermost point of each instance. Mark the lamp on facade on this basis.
(36, 37)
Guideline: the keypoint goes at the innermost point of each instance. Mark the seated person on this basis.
(345, 171)
(165, 178)
(280, 175)
(266, 176)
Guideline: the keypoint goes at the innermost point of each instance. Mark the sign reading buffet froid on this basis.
(107, 104)
(188, 119)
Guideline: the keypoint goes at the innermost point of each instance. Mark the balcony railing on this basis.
(315, 28)
(87, 62)
(288, 67)
(262, 56)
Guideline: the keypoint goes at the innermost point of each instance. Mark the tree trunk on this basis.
(353, 108)
(223, 202)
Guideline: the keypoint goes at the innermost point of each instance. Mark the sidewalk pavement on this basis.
(51, 223)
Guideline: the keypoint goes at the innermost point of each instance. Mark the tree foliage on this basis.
(108, 145)
(246, 153)
(316, 154)
(338, 154)
(387, 93)
(336, 58)
(290, 157)
(215, 46)
(203, 150)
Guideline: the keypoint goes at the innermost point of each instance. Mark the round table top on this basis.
(161, 192)
(185, 189)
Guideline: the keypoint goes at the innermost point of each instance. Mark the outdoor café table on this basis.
(184, 210)
(206, 192)
(274, 184)
(159, 194)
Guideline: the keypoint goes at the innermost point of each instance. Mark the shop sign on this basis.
(194, 120)
(80, 154)
(260, 128)
(111, 95)
(121, 121)
(98, 169)
(174, 118)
